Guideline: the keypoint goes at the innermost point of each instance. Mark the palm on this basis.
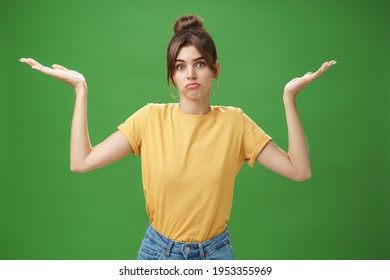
(71, 77)
(293, 87)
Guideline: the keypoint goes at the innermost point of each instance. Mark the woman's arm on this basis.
(295, 164)
(84, 157)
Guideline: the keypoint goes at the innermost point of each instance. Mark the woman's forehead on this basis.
(188, 53)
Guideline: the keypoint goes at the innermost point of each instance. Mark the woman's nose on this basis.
(191, 75)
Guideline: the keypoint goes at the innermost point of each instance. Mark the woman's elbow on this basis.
(77, 168)
(302, 176)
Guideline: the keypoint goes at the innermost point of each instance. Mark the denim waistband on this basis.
(204, 248)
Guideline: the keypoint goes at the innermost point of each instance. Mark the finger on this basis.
(45, 70)
(324, 66)
(60, 67)
(327, 65)
(57, 66)
(31, 62)
(25, 60)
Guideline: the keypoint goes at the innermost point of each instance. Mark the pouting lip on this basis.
(192, 84)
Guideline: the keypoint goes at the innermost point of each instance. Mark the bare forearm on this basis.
(297, 146)
(80, 144)
(294, 164)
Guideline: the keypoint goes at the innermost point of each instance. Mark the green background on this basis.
(342, 212)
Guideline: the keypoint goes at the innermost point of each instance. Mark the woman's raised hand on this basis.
(72, 78)
(293, 87)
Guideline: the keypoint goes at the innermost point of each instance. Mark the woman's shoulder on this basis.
(227, 110)
(160, 109)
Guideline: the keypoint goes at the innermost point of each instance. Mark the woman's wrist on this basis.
(288, 98)
(81, 88)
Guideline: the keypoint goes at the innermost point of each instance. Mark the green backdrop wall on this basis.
(342, 212)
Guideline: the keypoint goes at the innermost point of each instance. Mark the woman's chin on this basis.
(196, 95)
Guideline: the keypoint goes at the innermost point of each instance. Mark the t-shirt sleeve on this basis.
(254, 140)
(133, 128)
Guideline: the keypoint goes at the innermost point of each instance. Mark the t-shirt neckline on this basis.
(191, 116)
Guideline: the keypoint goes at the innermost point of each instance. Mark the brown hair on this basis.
(189, 32)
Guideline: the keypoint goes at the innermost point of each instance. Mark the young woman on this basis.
(191, 151)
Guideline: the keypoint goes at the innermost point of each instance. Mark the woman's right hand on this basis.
(72, 78)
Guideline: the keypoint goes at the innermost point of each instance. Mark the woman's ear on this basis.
(217, 69)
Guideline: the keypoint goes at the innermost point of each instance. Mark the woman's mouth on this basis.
(192, 85)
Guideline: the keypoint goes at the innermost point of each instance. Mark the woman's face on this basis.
(193, 78)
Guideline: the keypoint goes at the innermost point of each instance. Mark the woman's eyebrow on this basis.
(196, 59)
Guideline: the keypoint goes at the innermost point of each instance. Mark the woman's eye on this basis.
(180, 67)
(200, 64)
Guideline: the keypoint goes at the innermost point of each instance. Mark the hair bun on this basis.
(187, 22)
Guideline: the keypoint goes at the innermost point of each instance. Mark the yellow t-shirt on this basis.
(189, 165)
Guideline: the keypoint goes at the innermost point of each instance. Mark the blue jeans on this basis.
(155, 246)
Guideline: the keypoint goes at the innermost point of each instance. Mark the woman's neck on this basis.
(198, 107)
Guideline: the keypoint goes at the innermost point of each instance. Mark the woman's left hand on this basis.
(293, 87)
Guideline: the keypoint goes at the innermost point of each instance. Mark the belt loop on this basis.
(169, 248)
(201, 252)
